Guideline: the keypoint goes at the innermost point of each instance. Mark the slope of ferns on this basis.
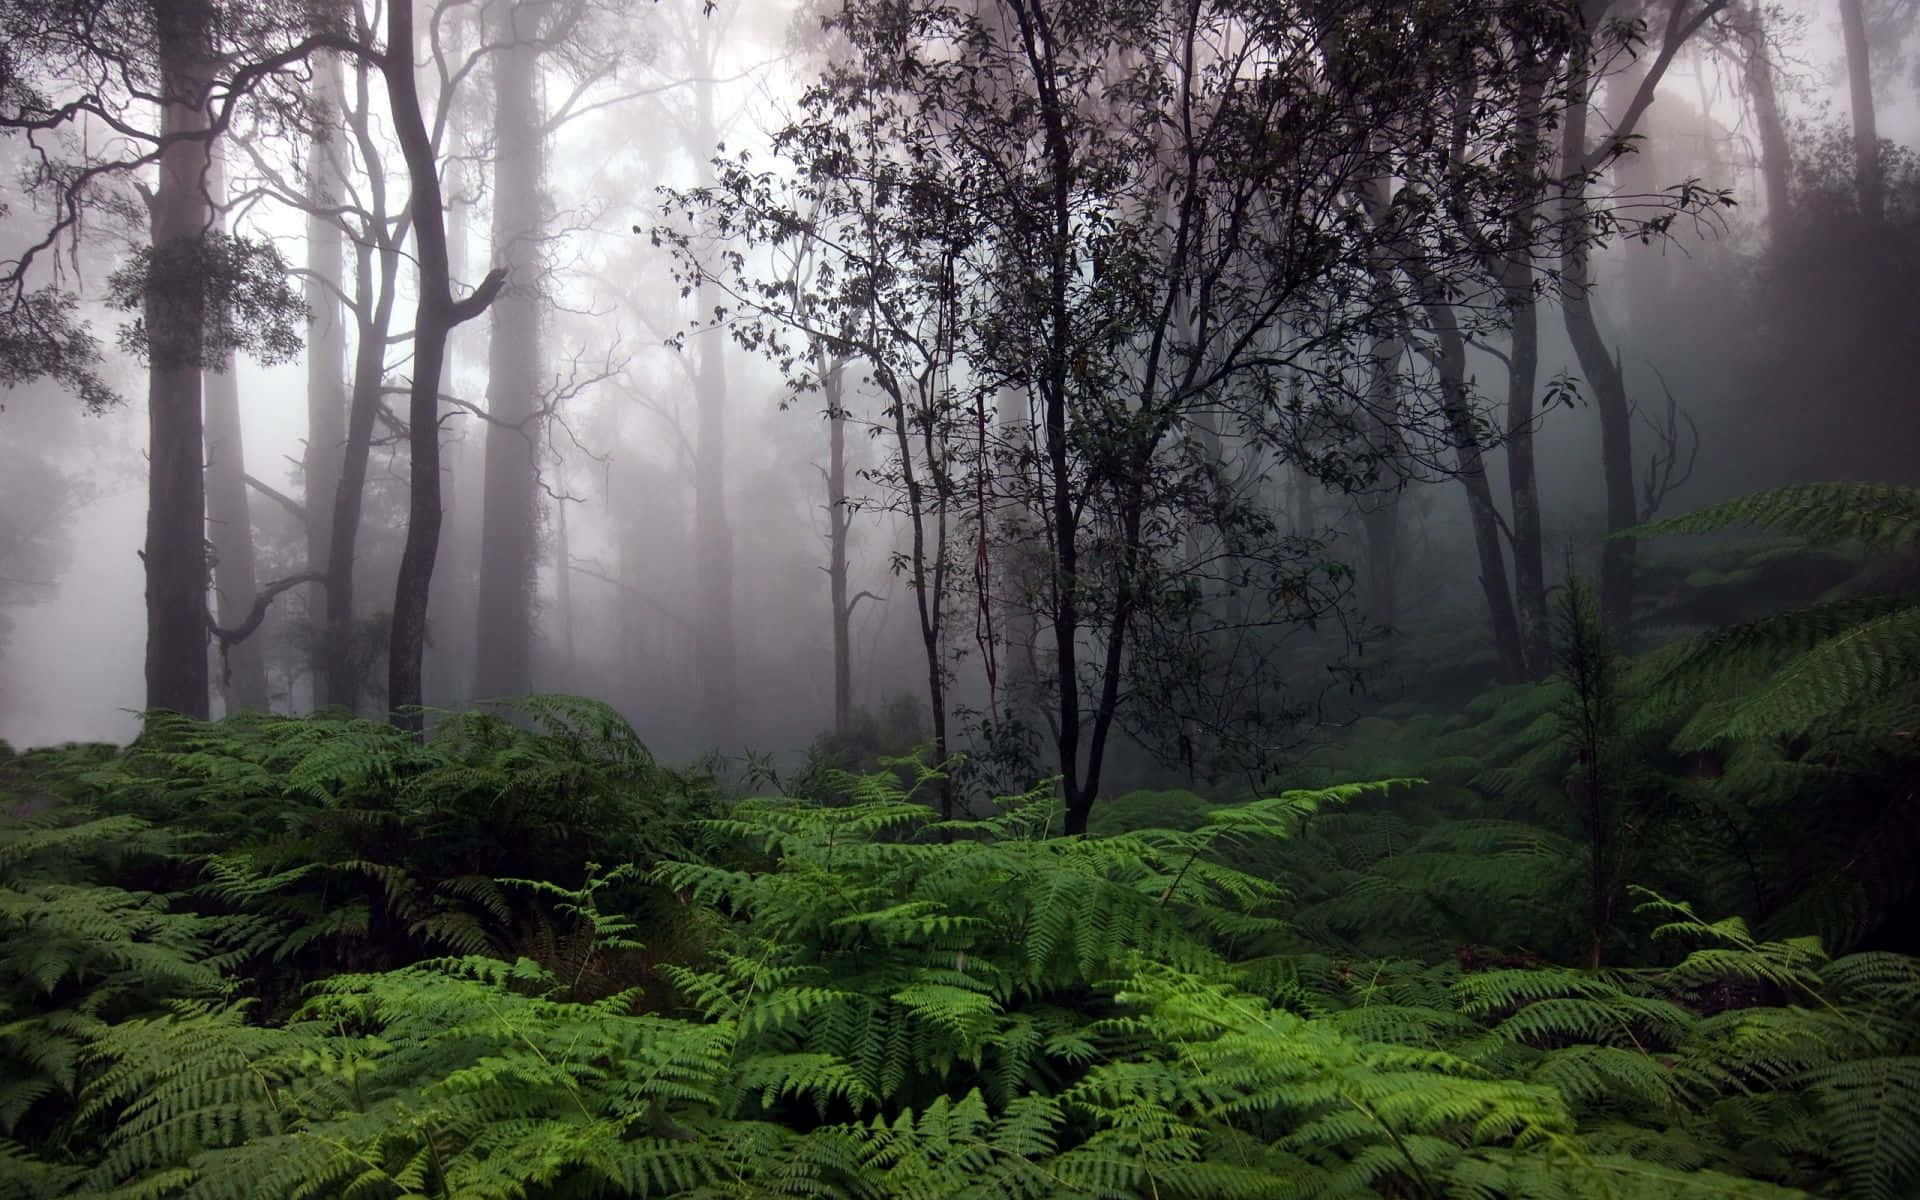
(867, 1002)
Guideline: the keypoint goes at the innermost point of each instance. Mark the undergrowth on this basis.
(358, 966)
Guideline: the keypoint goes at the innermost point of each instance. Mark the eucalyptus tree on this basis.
(1142, 219)
(576, 44)
(1585, 220)
(166, 76)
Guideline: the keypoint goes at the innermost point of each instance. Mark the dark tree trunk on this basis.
(374, 296)
(435, 315)
(1484, 517)
(452, 611)
(243, 681)
(175, 555)
(326, 359)
(509, 542)
(1523, 369)
(1866, 137)
(1605, 381)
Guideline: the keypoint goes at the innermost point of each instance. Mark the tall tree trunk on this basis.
(1523, 369)
(712, 533)
(509, 513)
(1018, 573)
(452, 610)
(1866, 136)
(326, 355)
(1380, 515)
(1776, 154)
(563, 582)
(1602, 371)
(839, 519)
(175, 555)
(1450, 359)
(435, 315)
(243, 681)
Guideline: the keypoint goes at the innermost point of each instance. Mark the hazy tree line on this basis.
(1160, 322)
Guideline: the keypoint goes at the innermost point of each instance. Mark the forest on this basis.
(993, 598)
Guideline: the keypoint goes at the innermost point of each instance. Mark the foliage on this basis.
(238, 288)
(877, 1003)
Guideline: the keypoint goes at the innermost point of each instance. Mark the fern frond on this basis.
(1882, 516)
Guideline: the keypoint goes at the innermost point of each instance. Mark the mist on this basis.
(635, 428)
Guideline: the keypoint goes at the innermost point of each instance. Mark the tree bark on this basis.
(243, 676)
(1776, 154)
(376, 276)
(1523, 370)
(435, 315)
(503, 663)
(713, 649)
(1866, 137)
(839, 519)
(1451, 361)
(1380, 516)
(1602, 370)
(175, 554)
(326, 357)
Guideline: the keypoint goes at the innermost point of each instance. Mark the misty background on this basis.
(672, 546)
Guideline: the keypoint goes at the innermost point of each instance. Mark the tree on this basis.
(243, 673)
(325, 281)
(1584, 225)
(1147, 221)
(527, 35)
(509, 520)
(435, 315)
(109, 60)
(1866, 136)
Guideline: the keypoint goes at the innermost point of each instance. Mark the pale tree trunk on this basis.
(1017, 572)
(713, 640)
(243, 677)
(1776, 154)
(175, 554)
(839, 520)
(563, 579)
(1637, 181)
(435, 315)
(509, 513)
(1866, 137)
(1380, 513)
(326, 356)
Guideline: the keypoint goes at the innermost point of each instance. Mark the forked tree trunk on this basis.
(435, 315)
(1602, 371)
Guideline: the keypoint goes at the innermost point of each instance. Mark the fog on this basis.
(679, 552)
